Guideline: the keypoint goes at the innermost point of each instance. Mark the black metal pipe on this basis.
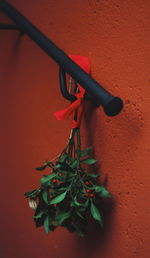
(112, 105)
(9, 27)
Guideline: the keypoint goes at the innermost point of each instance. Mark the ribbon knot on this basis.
(76, 108)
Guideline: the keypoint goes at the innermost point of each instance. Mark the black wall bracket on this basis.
(9, 27)
(111, 105)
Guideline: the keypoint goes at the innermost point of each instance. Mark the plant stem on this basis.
(78, 147)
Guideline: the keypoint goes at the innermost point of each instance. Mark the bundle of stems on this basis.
(68, 194)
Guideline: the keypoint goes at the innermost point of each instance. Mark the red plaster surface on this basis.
(114, 34)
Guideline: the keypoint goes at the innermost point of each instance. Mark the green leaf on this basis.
(63, 158)
(46, 179)
(81, 208)
(32, 193)
(80, 229)
(86, 203)
(74, 163)
(62, 217)
(97, 188)
(46, 224)
(80, 233)
(45, 197)
(76, 203)
(42, 167)
(64, 188)
(89, 161)
(85, 151)
(52, 227)
(80, 215)
(59, 198)
(39, 215)
(91, 175)
(68, 225)
(96, 214)
(104, 193)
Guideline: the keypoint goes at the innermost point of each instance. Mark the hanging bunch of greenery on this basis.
(68, 194)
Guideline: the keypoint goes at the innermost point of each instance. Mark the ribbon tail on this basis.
(65, 113)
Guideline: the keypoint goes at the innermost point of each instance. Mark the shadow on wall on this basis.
(12, 57)
(97, 236)
(130, 125)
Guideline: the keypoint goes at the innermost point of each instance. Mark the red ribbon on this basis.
(75, 108)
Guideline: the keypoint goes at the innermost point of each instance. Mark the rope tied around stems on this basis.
(76, 108)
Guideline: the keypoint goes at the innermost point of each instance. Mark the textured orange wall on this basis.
(114, 34)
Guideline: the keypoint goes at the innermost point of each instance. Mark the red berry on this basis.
(91, 195)
(54, 180)
(88, 190)
(86, 195)
(60, 174)
(87, 183)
